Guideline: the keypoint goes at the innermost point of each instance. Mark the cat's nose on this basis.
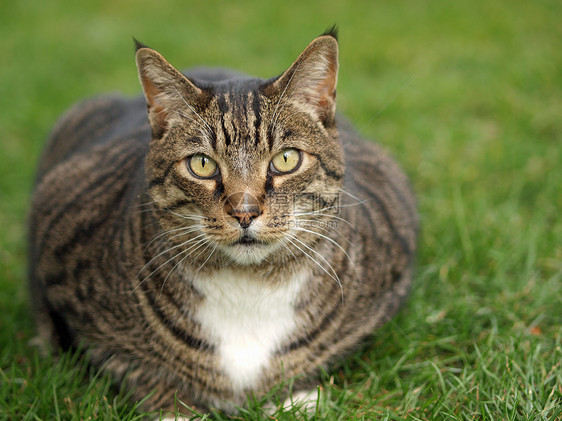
(244, 207)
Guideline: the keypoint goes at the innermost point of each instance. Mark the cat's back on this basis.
(94, 123)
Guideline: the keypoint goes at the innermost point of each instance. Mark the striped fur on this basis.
(137, 259)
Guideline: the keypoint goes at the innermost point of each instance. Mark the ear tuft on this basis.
(139, 45)
(332, 32)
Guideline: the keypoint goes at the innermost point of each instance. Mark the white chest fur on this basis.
(247, 319)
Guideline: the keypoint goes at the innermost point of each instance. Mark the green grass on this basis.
(467, 95)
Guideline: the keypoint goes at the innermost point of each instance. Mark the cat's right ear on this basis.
(166, 90)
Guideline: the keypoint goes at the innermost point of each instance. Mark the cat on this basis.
(239, 236)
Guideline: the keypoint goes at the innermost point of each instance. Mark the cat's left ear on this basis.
(166, 89)
(311, 80)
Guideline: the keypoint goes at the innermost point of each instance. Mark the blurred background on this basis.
(467, 95)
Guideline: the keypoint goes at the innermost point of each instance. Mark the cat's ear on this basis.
(311, 80)
(166, 90)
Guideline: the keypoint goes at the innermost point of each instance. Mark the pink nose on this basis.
(244, 207)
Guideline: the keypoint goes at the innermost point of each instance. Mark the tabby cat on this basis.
(241, 235)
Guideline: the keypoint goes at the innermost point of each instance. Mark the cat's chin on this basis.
(249, 254)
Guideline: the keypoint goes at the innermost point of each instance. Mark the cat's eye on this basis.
(286, 161)
(202, 166)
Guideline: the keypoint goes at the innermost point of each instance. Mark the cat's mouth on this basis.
(247, 240)
(249, 250)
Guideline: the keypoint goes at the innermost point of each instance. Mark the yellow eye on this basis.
(202, 166)
(286, 161)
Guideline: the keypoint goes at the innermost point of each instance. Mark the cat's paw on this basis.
(305, 400)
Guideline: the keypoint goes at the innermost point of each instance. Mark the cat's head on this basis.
(244, 167)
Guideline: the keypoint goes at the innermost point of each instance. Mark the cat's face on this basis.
(247, 168)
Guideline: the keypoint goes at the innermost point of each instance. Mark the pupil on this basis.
(203, 162)
(286, 156)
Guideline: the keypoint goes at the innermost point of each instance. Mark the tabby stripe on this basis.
(80, 267)
(123, 217)
(84, 232)
(330, 309)
(354, 157)
(112, 164)
(193, 342)
(83, 194)
(185, 339)
(381, 207)
(90, 121)
(256, 109)
(64, 335)
(151, 381)
(57, 278)
(97, 123)
(176, 205)
(81, 191)
(269, 189)
(406, 204)
(196, 344)
(325, 348)
(227, 139)
(158, 181)
(156, 279)
(213, 139)
(219, 189)
(223, 107)
(329, 173)
(310, 337)
(353, 331)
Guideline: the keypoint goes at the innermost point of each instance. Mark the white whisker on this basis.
(334, 276)
(275, 112)
(206, 260)
(166, 251)
(311, 223)
(185, 230)
(193, 111)
(352, 196)
(197, 245)
(191, 217)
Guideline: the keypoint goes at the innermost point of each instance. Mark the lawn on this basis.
(467, 95)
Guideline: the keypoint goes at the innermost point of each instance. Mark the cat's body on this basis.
(212, 287)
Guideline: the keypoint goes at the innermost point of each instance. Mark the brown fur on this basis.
(115, 208)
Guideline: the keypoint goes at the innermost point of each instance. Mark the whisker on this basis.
(186, 230)
(352, 195)
(275, 114)
(206, 260)
(143, 204)
(337, 245)
(168, 250)
(198, 244)
(283, 239)
(325, 237)
(163, 264)
(318, 224)
(194, 112)
(334, 276)
(191, 217)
